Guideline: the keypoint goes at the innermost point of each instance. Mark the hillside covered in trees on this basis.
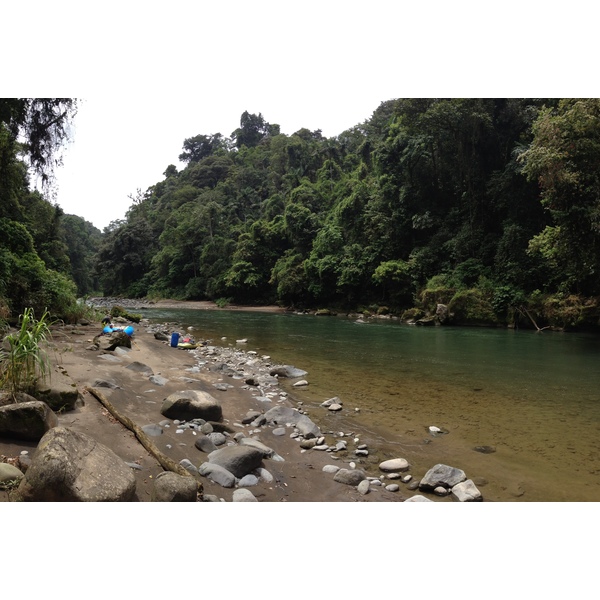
(488, 206)
(491, 206)
(46, 257)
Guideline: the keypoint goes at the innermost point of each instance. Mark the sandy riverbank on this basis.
(299, 478)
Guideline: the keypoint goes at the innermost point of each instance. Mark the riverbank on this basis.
(296, 475)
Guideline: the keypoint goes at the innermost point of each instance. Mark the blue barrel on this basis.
(174, 339)
(129, 330)
(107, 329)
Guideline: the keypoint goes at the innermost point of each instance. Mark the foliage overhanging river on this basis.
(534, 397)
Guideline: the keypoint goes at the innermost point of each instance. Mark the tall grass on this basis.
(25, 361)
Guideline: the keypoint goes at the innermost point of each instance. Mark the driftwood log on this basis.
(524, 311)
(164, 461)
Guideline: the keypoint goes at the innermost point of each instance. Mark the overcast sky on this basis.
(151, 75)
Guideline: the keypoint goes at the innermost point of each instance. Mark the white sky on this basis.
(152, 74)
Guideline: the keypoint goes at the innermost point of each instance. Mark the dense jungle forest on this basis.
(490, 207)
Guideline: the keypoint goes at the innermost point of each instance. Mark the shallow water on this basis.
(534, 397)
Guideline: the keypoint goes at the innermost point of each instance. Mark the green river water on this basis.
(533, 397)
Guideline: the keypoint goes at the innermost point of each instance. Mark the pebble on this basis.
(364, 487)
(392, 487)
(248, 481)
(331, 469)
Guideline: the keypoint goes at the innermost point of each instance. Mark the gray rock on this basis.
(152, 430)
(287, 371)
(139, 367)
(206, 428)
(110, 358)
(69, 466)
(205, 444)
(186, 463)
(171, 487)
(394, 465)
(418, 499)
(330, 469)
(364, 487)
(264, 475)
(243, 495)
(266, 451)
(210, 498)
(349, 476)
(278, 431)
(26, 420)
(392, 487)
(301, 383)
(251, 415)
(281, 415)
(330, 401)
(249, 480)
(218, 474)
(192, 404)
(335, 407)
(158, 380)
(9, 474)
(259, 421)
(59, 392)
(466, 491)
(217, 438)
(239, 460)
(442, 475)
(308, 444)
(106, 383)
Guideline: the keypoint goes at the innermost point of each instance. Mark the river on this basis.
(533, 398)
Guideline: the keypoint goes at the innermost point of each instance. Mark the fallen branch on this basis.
(525, 312)
(164, 461)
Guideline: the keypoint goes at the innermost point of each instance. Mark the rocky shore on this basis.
(151, 422)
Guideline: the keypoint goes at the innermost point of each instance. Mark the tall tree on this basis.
(565, 160)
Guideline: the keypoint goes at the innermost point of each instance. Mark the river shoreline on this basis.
(299, 477)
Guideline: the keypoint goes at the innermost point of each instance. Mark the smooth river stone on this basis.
(394, 465)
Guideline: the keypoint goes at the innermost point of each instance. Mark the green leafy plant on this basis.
(24, 362)
(222, 302)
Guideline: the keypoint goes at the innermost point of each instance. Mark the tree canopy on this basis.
(489, 205)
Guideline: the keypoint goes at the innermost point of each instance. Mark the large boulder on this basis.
(27, 420)
(69, 466)
(171, 487)
(281, 415)
(59, 392)
(239, 460)
(192, 404)
(442, 475)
